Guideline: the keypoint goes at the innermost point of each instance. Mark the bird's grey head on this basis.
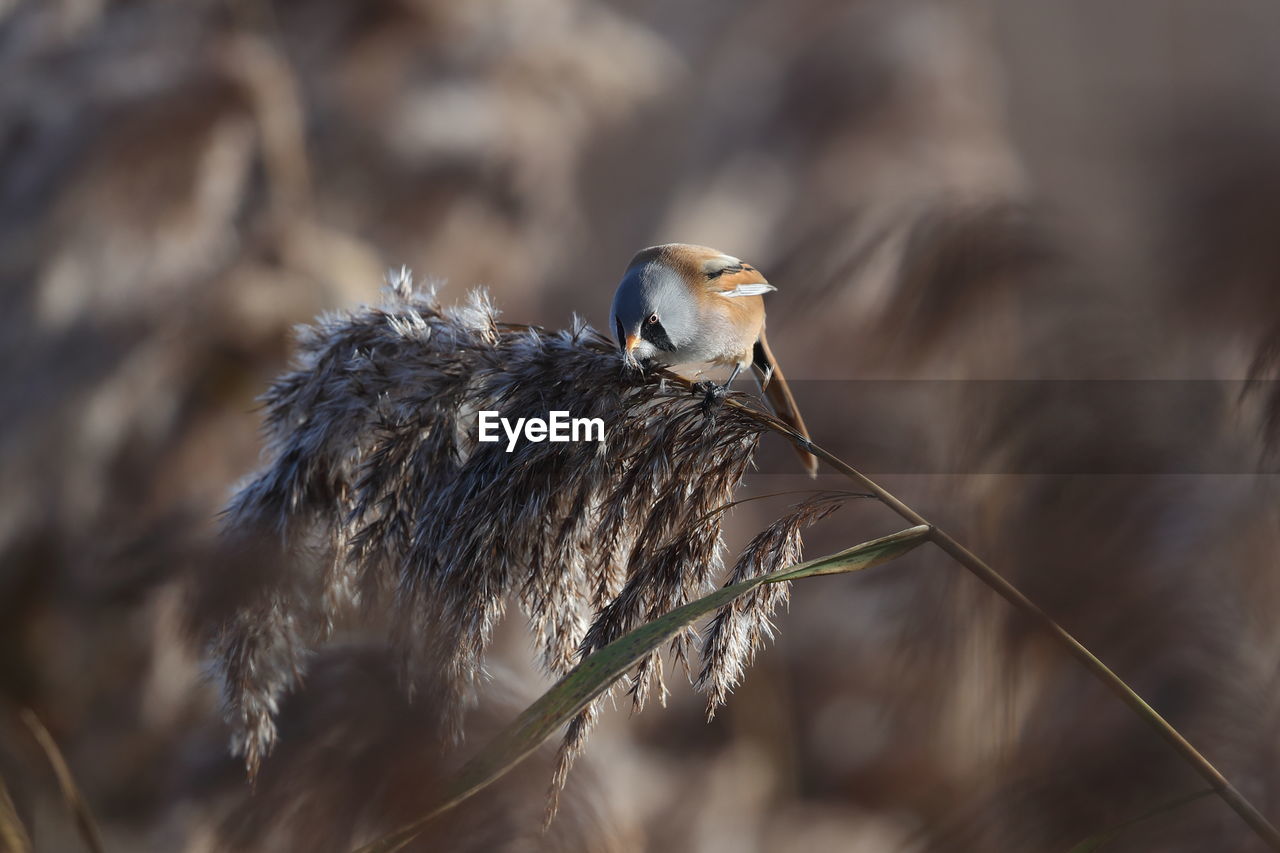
(655, 311)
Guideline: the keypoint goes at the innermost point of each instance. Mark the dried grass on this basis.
(376, 495)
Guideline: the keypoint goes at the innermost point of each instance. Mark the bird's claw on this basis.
(713, 394)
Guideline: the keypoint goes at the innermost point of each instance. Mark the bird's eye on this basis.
(653, 320)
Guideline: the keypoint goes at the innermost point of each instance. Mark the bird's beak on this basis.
(629, 351)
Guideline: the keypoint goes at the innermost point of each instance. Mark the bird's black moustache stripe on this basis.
(656, 335)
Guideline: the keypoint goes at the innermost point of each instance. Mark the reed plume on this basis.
(377, 497)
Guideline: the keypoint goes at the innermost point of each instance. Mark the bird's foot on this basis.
(713, 395)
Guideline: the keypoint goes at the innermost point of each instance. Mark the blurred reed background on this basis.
(941, 190)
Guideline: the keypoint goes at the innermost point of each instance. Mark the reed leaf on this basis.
(593, 675)
(1095, 842)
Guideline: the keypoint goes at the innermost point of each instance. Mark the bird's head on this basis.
(659, 305)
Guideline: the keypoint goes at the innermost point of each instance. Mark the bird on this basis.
(680, 303)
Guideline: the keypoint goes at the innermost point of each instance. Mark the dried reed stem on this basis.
(989, 576)
(13, 835)
(70, 791)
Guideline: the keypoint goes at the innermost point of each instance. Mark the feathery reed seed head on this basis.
(377, 497)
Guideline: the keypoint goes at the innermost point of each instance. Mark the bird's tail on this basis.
(778, 393)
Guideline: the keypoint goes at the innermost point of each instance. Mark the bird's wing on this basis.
(752, 289)
(732, 278)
